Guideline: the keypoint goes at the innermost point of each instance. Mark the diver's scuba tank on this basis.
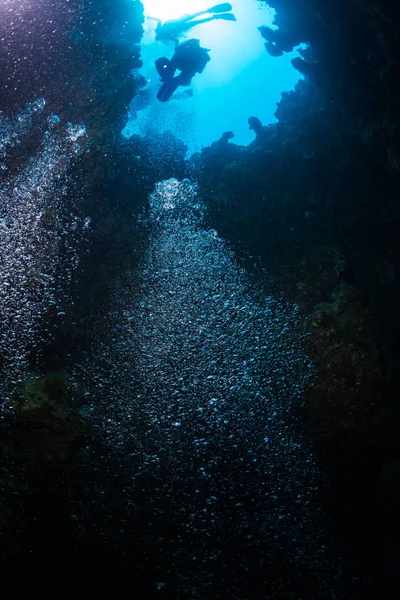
(190, 57)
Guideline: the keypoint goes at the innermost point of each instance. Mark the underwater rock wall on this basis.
(351, 57)
(318, 190)
(77, 54)
(316, 196)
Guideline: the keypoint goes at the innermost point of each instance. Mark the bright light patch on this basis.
(241, 79)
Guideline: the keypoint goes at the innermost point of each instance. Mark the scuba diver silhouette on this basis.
(189, 58)
(171, 30)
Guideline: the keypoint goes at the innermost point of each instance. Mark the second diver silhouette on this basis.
(173, 29)
(189, 58)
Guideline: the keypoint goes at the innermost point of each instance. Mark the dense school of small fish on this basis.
(194, 393)
(38, 231)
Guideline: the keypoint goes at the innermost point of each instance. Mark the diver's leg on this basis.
(186, 26)
(171, 29)
(218, 8)
(186, 18)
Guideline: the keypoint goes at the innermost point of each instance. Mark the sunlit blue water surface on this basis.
(241, 80)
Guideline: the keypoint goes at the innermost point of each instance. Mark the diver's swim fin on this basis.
(226, 17)
(220, 8)
(164, 68)
(168, 88)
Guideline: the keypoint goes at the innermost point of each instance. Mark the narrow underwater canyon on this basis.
(199, 356)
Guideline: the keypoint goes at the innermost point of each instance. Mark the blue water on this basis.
(241, 80)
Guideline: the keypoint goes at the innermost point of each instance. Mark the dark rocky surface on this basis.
(78, 54)
(316, 196)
